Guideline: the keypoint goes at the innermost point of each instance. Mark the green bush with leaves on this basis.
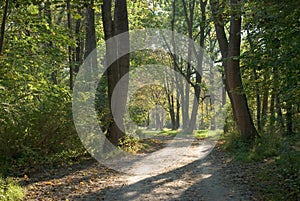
(130, 143)
(37, 124)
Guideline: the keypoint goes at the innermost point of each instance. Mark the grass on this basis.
(10, 190)
(208, 134)
(169, 132)
(11, 168)
(144, 140)
(200, 134)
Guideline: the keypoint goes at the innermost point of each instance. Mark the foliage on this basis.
(270, 50)
(278, 178)
(275, 161)
(10, 190)
(130, 144)
(35, 106)
(35, 96)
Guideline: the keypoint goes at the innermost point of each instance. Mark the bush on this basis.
(36, 126)
(130, 143)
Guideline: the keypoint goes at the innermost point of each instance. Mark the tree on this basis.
(199, 55)
(192, 74)
(271, 49)
(90, 35)
(230, 50)
(112, 27)
(2, 31)
(70, 49)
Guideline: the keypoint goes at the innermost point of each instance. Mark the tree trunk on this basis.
(118, 68)
(189, 18)
(272, 109)
(199, 56)
(70, 51)
(278, 110)
(177, 119)
(79, 44)
(264, 109)
(3, 26)
(172, 111)
(212, 100)
(258, 103)
(90, 37)
(232, 70)
(289, 118)
(178, 82)
(277, 99)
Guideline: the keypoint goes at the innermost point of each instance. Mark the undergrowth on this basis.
(30, 161)
(275, 163)
(10, 190)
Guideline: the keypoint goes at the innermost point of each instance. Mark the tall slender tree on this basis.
(2, 31)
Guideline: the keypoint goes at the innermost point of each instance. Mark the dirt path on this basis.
(216, 177)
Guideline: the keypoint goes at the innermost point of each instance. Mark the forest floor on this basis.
(215, 177)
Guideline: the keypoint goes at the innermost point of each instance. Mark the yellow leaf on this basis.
(31, 187)
(48, 183)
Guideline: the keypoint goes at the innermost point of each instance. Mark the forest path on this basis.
(215, 177)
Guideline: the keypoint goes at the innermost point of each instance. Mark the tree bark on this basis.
(272, 108)
(79, 44)
(3, 25)
(264, 109)
(230, 52)
(179, 87)
(199, 55)
(70, 51)
(212, 100)
(258, 102)
(277, 99)
(189, 18)
(90, 37)
(289, 118)
(118, 68)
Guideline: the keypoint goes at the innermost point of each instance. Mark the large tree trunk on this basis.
(230, 52)
(118, 68)
(90, 38)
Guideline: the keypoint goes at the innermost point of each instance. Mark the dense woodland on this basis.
(254, 46)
